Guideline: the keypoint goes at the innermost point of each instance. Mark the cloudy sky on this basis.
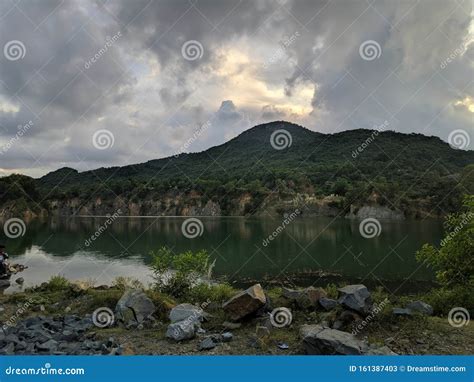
(98, 83)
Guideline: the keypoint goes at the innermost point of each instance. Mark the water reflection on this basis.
(306, 244)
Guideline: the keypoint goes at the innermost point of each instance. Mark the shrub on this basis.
(58, 283)
(452, 262)
(123, 283)
(216, 293)
(176, 274)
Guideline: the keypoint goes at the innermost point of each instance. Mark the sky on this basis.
(89, 84)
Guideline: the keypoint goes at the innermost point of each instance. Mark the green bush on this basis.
(453, 261)
(176, 274)
(58, 283)
(216, 293)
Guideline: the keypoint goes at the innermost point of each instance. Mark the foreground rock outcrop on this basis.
(321, 340)
(245, 303)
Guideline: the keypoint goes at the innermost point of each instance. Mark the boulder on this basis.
(420, 307)
(356, 297)
(182, 330)
(304, 298)
(245, 303)
(183, 312)
(327, 303)
(136, 301)
(321, 340)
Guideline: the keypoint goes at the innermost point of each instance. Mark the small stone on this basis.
(227, 337)
(282, 346)
(207, 344)
(42, 308)
(420, 307)
(402, 312)
(67, 309)
(50, 346)
(231, 325)
(20, 280)
(327, 303)
(262, 332)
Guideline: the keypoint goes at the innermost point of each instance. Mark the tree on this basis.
(454, 260)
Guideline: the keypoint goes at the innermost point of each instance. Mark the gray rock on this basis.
(181, 330)
(20, 280)
(4, 283)
(245, 303)
(327, 303)
(183, 312)
(318, 339)
(8, 349)
(356, 297)
(382, 350)
(227, 337)
(48, 346)
(231, 325)
(402, 312)
(420, 307)
(136, 301)
(207, 344)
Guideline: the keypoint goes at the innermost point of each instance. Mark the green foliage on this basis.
(453, 261)
(176, 274)
(411, 172)
(444, 299)
(215, 292)
(123, 283)
(58, 283)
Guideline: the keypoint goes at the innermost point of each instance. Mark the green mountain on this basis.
(419, 175)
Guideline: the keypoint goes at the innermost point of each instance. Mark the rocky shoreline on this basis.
(117, 321)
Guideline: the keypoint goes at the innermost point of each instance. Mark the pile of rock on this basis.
(62, 335)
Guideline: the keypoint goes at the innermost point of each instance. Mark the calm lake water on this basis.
(310, 250)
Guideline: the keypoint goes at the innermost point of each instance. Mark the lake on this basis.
(306, 251)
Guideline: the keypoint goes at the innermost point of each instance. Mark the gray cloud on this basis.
(118, 65)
